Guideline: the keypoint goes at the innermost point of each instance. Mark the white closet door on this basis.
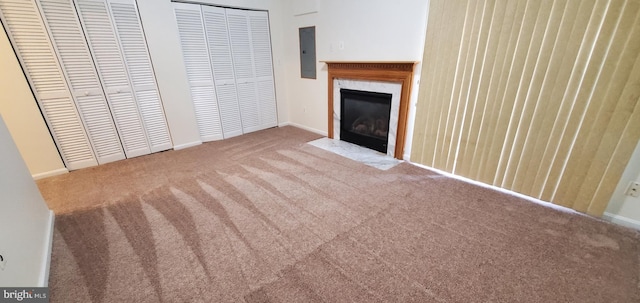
(222, 63)
(129, 31)
(28, 35)
(263, 66)
(242, 53)
(196, 60)
(113, 73)
(70, 45)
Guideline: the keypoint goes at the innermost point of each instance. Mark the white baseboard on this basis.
(500, 189)
(613, 218)
(51, 173)
(187, 145)
(620, 220)
(313, 130)
(44, 272)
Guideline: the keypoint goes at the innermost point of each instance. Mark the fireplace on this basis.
(364, 118)
(394, 78)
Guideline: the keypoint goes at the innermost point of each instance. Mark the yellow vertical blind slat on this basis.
(584, 112)
(487, 123)
(540, 97)
(453, 59)
(495, 129)
(487, 43)
(528, 65)
(555, 56)
(435, 91)
(421, 127)
(543, 151)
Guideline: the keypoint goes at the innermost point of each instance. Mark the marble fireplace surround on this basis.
(373, 76)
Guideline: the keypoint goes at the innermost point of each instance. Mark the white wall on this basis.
(26, 223)
(23, 117)
(163, 39)
(161, 31)
(370, 30)
(622, 209)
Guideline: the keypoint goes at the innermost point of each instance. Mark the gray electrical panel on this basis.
(308, 52)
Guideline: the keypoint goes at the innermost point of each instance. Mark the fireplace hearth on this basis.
(365, 118)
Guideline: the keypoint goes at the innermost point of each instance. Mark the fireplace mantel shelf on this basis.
(386, 71)
(372, 65)
(368, 62)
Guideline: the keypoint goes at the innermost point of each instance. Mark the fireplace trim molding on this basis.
(398, 72)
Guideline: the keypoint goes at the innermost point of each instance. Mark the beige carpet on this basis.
(267, 218)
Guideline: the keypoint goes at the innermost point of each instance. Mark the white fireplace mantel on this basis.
(393, 88)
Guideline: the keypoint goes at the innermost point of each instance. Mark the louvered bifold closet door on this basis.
(222, 62)
(28, 35)
(113, 73)
(131, 37)
(242, 53)
(70, 45)
(199, 75)
(261, 46)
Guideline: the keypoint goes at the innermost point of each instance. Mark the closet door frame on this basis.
(39, 96)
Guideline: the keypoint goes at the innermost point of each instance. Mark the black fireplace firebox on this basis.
(364, 118)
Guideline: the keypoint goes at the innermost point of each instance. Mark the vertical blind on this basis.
(539, 97)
